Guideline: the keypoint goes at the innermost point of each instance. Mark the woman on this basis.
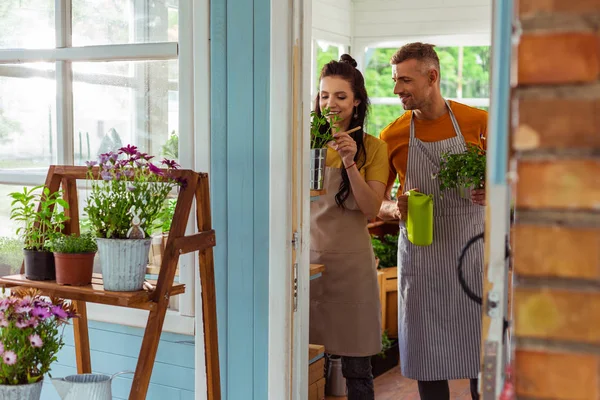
(345, 314)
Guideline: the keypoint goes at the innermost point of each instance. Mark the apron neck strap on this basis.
(452, 118)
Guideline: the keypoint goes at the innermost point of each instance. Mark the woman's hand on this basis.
(345, 146)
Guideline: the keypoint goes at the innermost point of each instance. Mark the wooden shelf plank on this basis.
(315, 351)
(93, 293)
(316, 269)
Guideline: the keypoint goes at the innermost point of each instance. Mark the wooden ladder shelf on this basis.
(155, 297)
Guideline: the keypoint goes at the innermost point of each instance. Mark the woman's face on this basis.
(336, 94)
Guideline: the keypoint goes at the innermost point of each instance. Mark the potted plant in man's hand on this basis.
(74, 258)
(41, 221)
(463, 171)
(320, 135)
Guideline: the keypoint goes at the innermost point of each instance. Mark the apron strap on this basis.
(452, 118)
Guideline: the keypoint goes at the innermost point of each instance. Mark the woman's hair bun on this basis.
(347, 58)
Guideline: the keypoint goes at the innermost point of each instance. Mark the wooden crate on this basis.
(316, 391)
(388, 296)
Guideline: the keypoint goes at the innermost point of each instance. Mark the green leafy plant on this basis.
(129, 182)
(74, 244)
(319, 139)
(11, 253)
(171, 147)
(386, 344)
(462, 170)
(386, 250)
(39, 215)
(165, 216)
(31, 335)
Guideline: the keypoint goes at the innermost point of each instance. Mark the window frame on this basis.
(183, 320)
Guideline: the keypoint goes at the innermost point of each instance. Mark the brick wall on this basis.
(556, 240)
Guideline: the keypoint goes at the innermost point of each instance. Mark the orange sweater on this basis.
(472, 123)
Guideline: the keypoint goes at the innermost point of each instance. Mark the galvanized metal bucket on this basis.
(31, 391)
(318, 159)
(124, 263)
(86, 386)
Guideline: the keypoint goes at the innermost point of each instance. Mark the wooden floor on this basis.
(393, 386)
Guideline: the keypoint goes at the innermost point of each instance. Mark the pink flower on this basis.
(91, 164)
(59, 312)
(4, 323)
(129, 150)
(22, 323)
(170, 163)
(9, 357)
(35, 340)
(34, 322)
(4, 304)
(1, 348)
(155, 170)
(23, 309)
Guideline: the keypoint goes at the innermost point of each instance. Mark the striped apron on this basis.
(439, 326)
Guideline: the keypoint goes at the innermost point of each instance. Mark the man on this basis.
(439, 326)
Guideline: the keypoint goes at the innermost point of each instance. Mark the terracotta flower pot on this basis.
(74, 269)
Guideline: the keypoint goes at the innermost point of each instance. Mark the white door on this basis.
(290, 199)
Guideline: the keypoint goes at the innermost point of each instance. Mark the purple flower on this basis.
(144, 156)
(9, 357)
(5, 303)
(181, 181)
(4, 323)
(129, 150)
(91, 164)
(34, 322)
(170, 163)
(155, 170)
(107, 176)
(104, 158)
(131, 188)
(1, 348)
(40, 312)
(128, 172)
(59, 312)
(113, 157)
(23, 309)
(35, 340)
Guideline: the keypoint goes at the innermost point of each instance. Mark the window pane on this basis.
(325, 53)
(120, 103)
(18, 16)
(27, 122)
(476, 72)
(381, 115)
(98, 22)
(378, 74)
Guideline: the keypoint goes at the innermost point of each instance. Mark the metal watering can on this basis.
(86, 386)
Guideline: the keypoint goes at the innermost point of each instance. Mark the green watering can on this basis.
(419, 221)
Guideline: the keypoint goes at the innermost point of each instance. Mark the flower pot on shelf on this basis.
(318, 160)
(74, 269)
(30, 391)
(124, 263)
(39, 265)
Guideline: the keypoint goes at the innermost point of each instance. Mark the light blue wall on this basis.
(115, 348)
(240, 42)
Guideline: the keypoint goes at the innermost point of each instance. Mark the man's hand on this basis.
(478, 196)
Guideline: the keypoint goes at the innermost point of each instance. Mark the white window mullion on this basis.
(187, 262)
(64, 86)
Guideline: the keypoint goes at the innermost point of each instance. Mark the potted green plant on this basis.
(320, 134)
(31, 335)
(386, 250)
(463, 171)
(122, 208)
(41, 221)
(74, 258)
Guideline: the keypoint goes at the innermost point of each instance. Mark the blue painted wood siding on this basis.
(115, 348)
(240, 70)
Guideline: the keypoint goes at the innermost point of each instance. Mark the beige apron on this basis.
(345, 314)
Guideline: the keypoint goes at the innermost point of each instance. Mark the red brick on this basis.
(557, 123)
(557, 376)
(558, 58)
(556, 251)
(559, 184)
(532, 8)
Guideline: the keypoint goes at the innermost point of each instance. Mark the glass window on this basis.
(28, 117)
(18, 16)
(381, 115)
(97, 22)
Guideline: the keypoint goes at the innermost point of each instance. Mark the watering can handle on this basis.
(113, 376)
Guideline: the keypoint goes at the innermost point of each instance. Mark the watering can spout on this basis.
(62, 386)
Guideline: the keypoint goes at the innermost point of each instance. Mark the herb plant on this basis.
(39, 215)
(463, 170)
(31, 335)
(319, 139)
(165, 216)
(74, 244)
(386, 250)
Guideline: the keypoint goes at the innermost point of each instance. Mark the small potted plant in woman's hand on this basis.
(31, 331)
(74, 258)
(320, 135)
(36, 209)
(463, 171)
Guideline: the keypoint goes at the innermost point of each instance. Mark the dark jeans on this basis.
(439, 390)
(359, 379)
